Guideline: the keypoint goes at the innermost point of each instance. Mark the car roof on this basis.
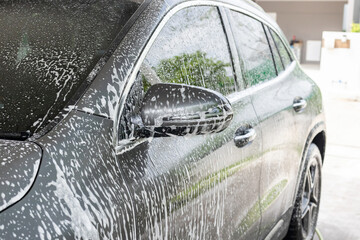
(246, 6)
(232, 2)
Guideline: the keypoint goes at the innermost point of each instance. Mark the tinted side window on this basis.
(253, 48)
(191, 49)
(278, 62)
(282, 49)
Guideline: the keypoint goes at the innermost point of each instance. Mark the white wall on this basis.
(306, 19)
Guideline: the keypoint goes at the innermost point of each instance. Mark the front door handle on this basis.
(299, 104)
(244, 137)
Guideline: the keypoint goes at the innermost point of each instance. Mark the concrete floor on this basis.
(339, 217)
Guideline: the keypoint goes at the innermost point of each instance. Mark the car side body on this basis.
(79, 179)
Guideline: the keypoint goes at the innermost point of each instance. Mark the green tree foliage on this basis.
(196, 69)
(262, 73)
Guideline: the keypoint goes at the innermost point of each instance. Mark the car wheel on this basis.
(306, 209)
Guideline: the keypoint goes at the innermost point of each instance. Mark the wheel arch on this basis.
(320, 141)
(317, 135)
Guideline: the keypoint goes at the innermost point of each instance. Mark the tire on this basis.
(306, 209)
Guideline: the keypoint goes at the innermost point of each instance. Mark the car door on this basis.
(301, 91)
(270, 78)
(198, 186)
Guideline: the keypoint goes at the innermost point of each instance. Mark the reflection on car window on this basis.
(191, 49)
(47, 49)
(278, 62)
(253, 48)
(282, 49)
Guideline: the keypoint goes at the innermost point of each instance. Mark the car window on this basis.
(282, 49)
(254, 52)
(190, 49)
(278, 62)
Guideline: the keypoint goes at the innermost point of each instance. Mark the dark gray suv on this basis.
(154, 119)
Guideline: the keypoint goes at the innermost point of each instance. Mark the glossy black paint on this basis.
(92, 185)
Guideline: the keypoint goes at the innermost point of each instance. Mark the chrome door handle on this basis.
(244, 137)
(299, 104)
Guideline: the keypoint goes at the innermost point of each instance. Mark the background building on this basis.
(307, 19)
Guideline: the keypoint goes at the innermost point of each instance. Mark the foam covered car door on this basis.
(197, 186)
(279, 146)
(193, 186)
(280, 109)
(272, 98)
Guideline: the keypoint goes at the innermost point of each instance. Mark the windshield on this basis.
(47, 50)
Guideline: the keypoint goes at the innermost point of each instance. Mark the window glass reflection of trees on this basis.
(275, 51)
(191, 49)
(252, 45)
(282, 49)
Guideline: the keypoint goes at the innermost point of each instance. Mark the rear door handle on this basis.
(244, 137)
(299, 104)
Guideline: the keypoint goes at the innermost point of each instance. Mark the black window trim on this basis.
(277, 48)
(234, 55)
(245, 80)
(243, 10)
(263, 21)
(271, 51)
(245, 83)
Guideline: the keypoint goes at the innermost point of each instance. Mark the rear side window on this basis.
(252, 45)
(191, 49)
(284, 54)
(278, 61)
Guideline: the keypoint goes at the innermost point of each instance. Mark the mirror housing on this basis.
(177, 109)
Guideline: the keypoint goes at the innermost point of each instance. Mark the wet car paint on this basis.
(19, 164)
(163, 188)
(282, 149)
(181, 191)
(77, 194)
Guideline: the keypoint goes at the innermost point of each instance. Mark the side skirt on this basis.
(281, 227)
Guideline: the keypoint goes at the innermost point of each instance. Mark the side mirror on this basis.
(176, 109)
